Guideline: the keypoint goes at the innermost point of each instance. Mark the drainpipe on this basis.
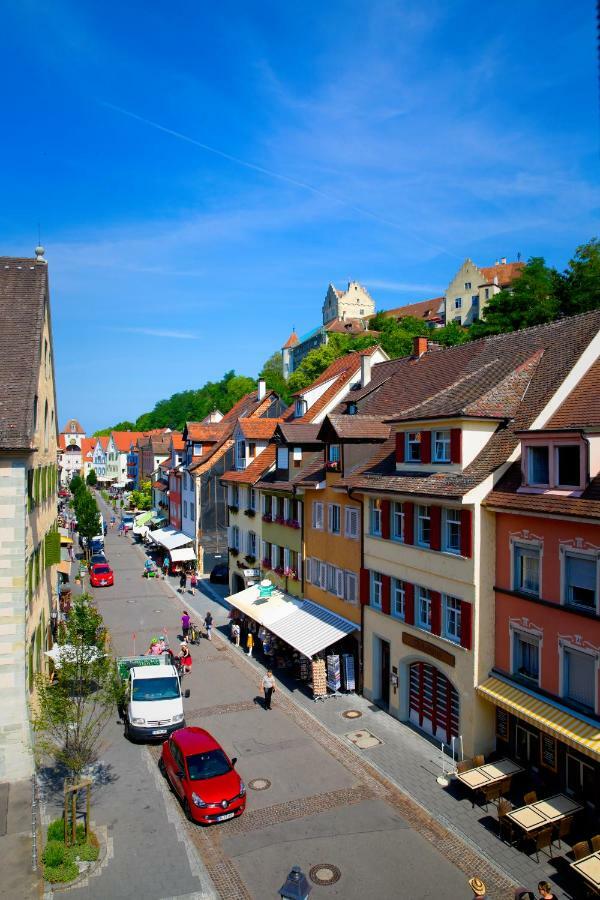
(362, 608)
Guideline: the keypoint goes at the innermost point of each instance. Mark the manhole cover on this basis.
(324, 873)
(364, 740)
(131, 601)
(351, 714)
(259, 784)
(157, 610)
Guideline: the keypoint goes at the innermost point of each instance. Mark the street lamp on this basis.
(296, 886)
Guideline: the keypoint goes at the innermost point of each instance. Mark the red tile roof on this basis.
(505, 496)
(423, 309)
(205, 434)
(255, 471)
(505, 272)
(581, 409)
(124, 439)
(78, 429)
(258, 429)
(177, 441)
(291, 341)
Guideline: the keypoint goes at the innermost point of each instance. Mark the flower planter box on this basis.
(267, 518)
(266, 564)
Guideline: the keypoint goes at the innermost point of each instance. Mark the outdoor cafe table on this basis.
(484, 776)
(544, 812)
(589, 869)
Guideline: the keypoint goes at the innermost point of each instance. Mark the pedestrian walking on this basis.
(182, 581)
(185, 625)
(165, 566)
(121, 529)
(545, 891)
(250, 643)
(208, 623)
(193, 583)
(235, 633)
(268, 686)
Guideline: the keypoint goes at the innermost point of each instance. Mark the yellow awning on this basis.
(555, 720)
(65, 539)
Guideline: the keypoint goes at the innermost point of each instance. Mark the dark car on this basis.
(220, 574)
(202, 776)
(98, 558)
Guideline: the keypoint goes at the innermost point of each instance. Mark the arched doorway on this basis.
(433, 701)
(237, 583)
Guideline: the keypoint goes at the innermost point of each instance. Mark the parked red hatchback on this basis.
(101, 575)
(202, 776)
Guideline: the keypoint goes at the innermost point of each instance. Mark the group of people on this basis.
(186, 624)
(184, 579)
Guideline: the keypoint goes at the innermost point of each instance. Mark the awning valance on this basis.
(579, 733)
(143, 518)
(170, 539)
(304, 625)
(157, 519)
(185, 554)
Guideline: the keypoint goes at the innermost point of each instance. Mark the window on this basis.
(538, 465)
(441, 446)
(526, 650)
(235, 495)
(398, 598)
(567, 463)
(424, 608)
(413, 446)
(333, 452)
(487, 293)
(376, 589)
(579, 675)
(581, 580)
(452, 609)
(475, 300)
(251, 499)
(197, 449)
(375, 508)
(334, 518)
(457, 320)
(458, 303)
(398, 521)
(467, 285)
(192, 512)
(185, 508)
(297, 456)
(351, 587)
(451, 535)
(267, 505)
(301, 407)
(240, 452)
(251, 451)
(331, 580)
(423, 525)
(234, 537)
(526, 569)
(317, 515)
(581, 778)
(251, 543)
(282, 458)
(351, 522)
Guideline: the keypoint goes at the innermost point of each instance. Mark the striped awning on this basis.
(579, 733)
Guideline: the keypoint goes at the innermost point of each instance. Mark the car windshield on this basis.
(101, 570)
(156, 689)
(207, 765)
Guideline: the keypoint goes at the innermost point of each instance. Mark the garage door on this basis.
(433, 702)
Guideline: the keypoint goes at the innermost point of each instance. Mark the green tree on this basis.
(579, 285)
(72, 712)
(450, 334)
(92, 478)
(126, 425)
(272, 372)
(76, 485)
(142, 499)
(531, 300)
(88, 517)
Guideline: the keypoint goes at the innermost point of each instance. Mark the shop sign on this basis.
(418, 643)
(251, 573)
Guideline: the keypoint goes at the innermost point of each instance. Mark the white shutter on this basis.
(329, 517)
(307, 570)
(300, 505)
(339, 582)
(264, 504)
(286, 557)
(299, 570)
(351, 521)
(323, 575)
(264, 550)
(286, 509)
(350, 587)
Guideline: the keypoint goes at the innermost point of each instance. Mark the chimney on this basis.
(262, 389)
(419, 346)
(365, 370)
(497, 263)
(503, 260)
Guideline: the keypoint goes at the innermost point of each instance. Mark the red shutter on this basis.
(409, 523)
(436, 612)
(386, 594)
(385, 519)
(435, 533)
(425, 446)
(455, 445)
(466, 625)
(400, 439)
(365, 586)
(409, 604)
(466, 532)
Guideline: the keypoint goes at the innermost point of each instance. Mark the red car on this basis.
(101, 575)
(203, 777)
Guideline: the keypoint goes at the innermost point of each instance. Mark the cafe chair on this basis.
(505, 826)
(505, 785)
(464, 766)
(563, 829)
(490, 794)
(478, 760)
(530, 798)
(596, 843)
(542, 839)
(581, 850)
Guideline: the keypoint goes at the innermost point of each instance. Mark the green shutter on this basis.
(36, 487)
(52, 545)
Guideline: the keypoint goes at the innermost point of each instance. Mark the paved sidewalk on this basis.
(17, 879)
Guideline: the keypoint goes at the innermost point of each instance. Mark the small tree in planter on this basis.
(92, 478)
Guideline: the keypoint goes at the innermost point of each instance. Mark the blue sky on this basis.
(201, 171)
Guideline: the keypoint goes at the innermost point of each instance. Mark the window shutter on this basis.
(435, 535)
(323, 576)
(385, 519)
(436, 612)
(286, 557)
(329, 517)
(466, 538)
(400, 441)
(365, 585)
(300, 505)
(409, 604)
(455, 445)
(409, 523)
(307, 569)
(386, 594)
(286, 509)
(339, 582)
(466, 625)
(299, 568)
(425, 446)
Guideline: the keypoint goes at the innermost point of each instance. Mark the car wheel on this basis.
(128, 733)
(162, 768)
(187, 811)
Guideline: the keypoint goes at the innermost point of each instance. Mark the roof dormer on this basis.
(555, 462)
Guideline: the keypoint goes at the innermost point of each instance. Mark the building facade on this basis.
(473, 287)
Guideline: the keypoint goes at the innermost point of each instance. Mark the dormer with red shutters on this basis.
(445, 445)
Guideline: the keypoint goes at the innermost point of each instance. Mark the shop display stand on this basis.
(348, 672)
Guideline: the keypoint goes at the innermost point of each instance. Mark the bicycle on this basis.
(193, 634)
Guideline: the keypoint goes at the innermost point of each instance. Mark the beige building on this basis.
(353, 303)
(29, 542)
(473, 287)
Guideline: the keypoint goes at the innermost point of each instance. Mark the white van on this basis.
(154, 702)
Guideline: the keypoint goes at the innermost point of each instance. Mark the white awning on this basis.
(302, 624)
(184, 555)
(169, 538)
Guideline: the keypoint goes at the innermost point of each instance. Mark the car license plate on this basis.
(102, 582)
(226, 816)
(159, 731)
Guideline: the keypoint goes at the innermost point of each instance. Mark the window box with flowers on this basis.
(233, 551)
(292, 523)
(250, 513)
(233, 509)
(266, 564)
(267, 518)
(279, 520)
(279, 570)
(333, 465)
(290, 573)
